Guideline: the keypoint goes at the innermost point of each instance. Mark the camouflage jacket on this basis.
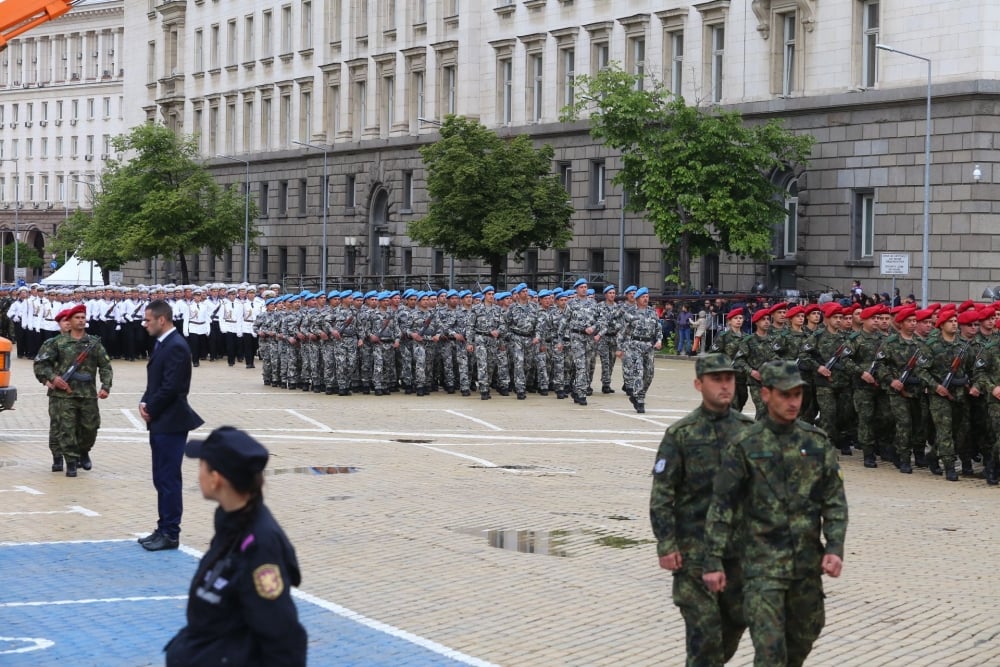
(483, 319)
(640, 324)
(896, 353)
(863, 355)
(796, 346)
(786, 481)
(686, 464)
(986, 366)
(728, 343)
(941, 355)
(609, 318)
(824, 347)
(753, 352)
(57, 354)
(519, 320)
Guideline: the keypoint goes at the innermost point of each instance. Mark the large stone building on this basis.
(364, 83)
(60, 103)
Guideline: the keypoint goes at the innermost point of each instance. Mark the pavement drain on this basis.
(313, 470)
(412, 441)
(544, 470)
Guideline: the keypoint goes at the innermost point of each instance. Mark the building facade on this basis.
(351, 89)
(61, 101)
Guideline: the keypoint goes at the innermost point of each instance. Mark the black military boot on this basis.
(904, 464)
(503, 391)
(640, 407)
(330, 391)
(521, 396)
(484, 395)
(934, 465)
(71, 468)
(57, 463)
(967, 467)
(845, 449)
(85, 461)
(919, 459)
(991, 471)
(543, 392)
(317, 389)
(466, 392)
(950, 473)
(870, 461)
(606, 389)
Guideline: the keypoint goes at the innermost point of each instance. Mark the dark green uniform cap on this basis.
(781, 374)
(713, 363)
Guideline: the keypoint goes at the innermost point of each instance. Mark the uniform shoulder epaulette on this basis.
(853, 335)
(686, 420)
(742, 417)
(806, 426)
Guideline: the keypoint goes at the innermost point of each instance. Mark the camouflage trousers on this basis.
(456, 364)
(366, 366)
(993, 406)
(520, 349)
(328, 355)
(266, 364)
(833, 412)
(785, 617)
(383, 365)
(907, 414)
(758, 402)
(951, 423)
(637, 365)
(406, 363)
(312, 368)
(713, 622)
(543, 360)
(606, 349)
(489, 360)
(421, 374)
(872, 408)
(581, 354)
(558, 361)
(288, 353)
(980, 437)
(73, 425)
(345, 353)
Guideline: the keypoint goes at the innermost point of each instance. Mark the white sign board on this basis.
(21, 272)
(116, 277)
(895, 264)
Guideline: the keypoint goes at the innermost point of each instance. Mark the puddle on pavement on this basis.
(313, 470)
(339, 497)
(543, 542)
(7, 464)
(412, 441)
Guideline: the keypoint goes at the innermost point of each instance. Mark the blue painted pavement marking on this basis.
(112, 604)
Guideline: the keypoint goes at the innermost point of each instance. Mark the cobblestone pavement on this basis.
(499, 532)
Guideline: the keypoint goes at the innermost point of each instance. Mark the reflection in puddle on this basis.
(313, 470)
(544, 542)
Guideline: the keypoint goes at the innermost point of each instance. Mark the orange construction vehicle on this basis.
(18, 16)
(8, 394)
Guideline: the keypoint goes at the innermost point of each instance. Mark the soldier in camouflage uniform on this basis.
(986, 379)
(728, 343)
(309, 325)
(483, 336)
(640, 335)
(262, 326)
(519, 325)
(345, 336)
(404, 314)
(860, 363)
(753, 352)
(829, 345)
(901, 352)
(290, 340)
(609, 315)
(795, 344)
(783, 476)
(73, 412)
(948, 356)
(686, 464)
(557, 313)
(453, 321)
(424, 332)
(580, 326)
(384, 337)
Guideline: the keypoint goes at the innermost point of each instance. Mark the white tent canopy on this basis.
(76, 272)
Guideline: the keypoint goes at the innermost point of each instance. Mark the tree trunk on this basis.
(684, 262)
(496, 261)
(182, 258)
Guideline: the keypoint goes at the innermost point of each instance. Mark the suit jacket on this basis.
(168, 382)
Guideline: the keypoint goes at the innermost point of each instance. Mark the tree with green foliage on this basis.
(490, 196)
(27, 256)
(701, 176)
(161, 203)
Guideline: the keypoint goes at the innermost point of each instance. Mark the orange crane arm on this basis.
(18, 16)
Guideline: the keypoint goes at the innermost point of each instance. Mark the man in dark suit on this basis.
(169, 418)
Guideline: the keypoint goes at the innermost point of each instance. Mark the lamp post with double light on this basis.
(924, 272)
(246, 217)
(326, 207)
(93, 198)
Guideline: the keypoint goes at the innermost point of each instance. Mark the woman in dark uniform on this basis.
(240, 609)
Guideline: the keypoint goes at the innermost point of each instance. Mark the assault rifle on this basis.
(72, 373)
(347, 324)
(427, 323)
(878, 356)
(910, 365)
(956, 363)
(837, 355)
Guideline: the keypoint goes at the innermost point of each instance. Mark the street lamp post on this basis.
(326, 207)
(927, 174)
(93, 198)
(17, 210)
(246, 218)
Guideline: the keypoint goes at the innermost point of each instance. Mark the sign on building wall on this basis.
(895, 264)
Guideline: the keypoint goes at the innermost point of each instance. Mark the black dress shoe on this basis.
(57, 463)
(85, 462)
(147, 538)
(160, 543)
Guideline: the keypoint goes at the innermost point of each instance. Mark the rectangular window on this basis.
(418, 96)
(600, 57)
(791, 227)
(630, 274)
(567, 75)
(388, 103)
(263, 263)
(150, 63)
(597, 265)
(598, 179)
(349, 190)
(336, 16)
(437, 262)
(265, 123)
(305, 115)
(562, 262)
(248, 38)
(334, 102)
(676, 62)
(505, 70)
(360, 107)
(566, 176)
(231, 127)
(863, 232)
(232, 44)
(213, 47)
(302, 196)
(536, 82)
(637, 59)
(283, 261)
(213, 130)
(248, 128)
(870, 33)
(282, 197)
(286, 29)
(407, 190)
(302, 260)
(263, 197)
(266, 33)
(449, 79)
(285, 120)
(787, 53)
(306, 19)
(718, 41)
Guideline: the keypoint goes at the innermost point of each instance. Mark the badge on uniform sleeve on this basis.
(267, 580)
(661, 465)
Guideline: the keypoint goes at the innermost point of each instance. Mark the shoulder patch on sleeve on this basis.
(268, 582)
(661, 465)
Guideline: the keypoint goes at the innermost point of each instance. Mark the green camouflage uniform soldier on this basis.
(860, 363)
(783, 476)
(75, 417)
(686, 464)
(896, 370)
(753, 352)
(728, 343)
(969, 447)
(946, 372)
(833, 396)
(794, 344)
(986, 379)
